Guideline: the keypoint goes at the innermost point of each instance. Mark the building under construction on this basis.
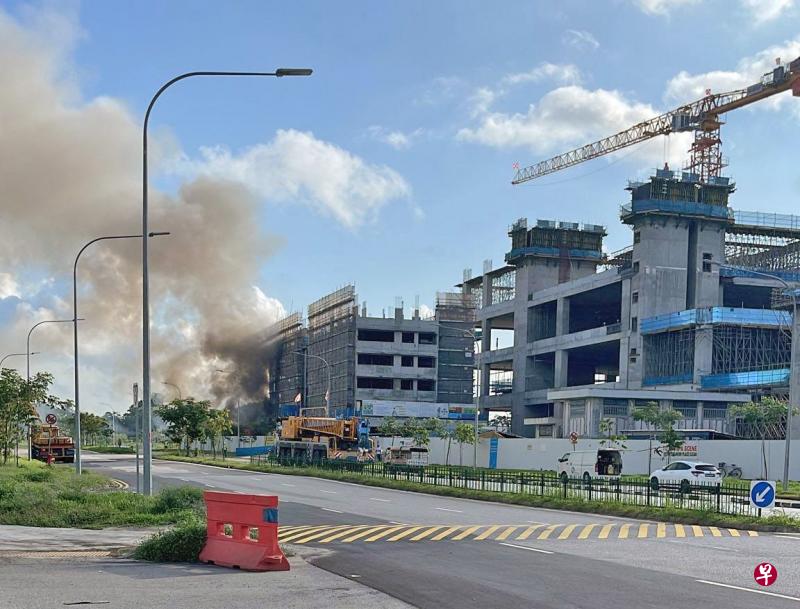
(351, 364)
(681, 317)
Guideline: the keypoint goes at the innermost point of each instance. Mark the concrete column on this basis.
(561, 364)
(562, 316)
(703, 349)
(700, 416)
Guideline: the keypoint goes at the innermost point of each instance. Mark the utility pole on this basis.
(136, 417)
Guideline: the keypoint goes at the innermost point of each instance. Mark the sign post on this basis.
(573, 438)
(762, 494)
(51, 419)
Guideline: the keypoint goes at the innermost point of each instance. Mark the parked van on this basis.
(604, 462)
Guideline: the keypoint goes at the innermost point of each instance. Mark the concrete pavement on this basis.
(658, 571)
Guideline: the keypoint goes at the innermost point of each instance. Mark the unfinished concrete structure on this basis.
(379, 366)
(594, 335)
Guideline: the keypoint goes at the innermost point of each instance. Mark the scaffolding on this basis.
(455, 314)
(503, 287)
(331, 337)
(669, 357)
(746, 349)
(287, 373)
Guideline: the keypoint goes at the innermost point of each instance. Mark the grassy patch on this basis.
(612, 508)
(112, 450)
(182, 543)
(37, 495)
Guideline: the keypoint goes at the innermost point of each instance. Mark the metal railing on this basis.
(728, 498)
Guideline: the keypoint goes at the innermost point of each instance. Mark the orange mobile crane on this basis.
(701, 116)
(48, 443)
(313, 439)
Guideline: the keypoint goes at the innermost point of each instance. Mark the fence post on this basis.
(483, 480)
(541, 483)
(719, 497)
(618, 491)
(450, 476)
(648, 492)
(502, 481)
(566, 482)
(590, 489)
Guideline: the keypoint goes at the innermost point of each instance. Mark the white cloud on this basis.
(296, 166)
(8, 286)
(560, 73)
(686, 87)
(767, 10)
(396, 139)
(439, 90)
(580, 39)
(662, 7)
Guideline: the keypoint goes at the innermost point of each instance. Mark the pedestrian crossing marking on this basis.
(555, 533)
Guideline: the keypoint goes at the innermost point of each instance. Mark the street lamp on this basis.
(794, 370)
(15, 355)
(78, 464)
(146, 410)
(328, 370)
(28, 374)
(178, 389)
(475, 399)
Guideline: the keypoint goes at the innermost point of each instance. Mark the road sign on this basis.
(765, 574)
(573, 437)
(51, 418)
(762, 494)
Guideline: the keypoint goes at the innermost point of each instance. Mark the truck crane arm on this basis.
(700, 115)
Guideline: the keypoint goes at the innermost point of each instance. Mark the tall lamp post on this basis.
(146, 410)
(328, 370)
(794, 371)
(28, 373)
(78, 464)
(476, 398)
(178, 389)
(5, 357)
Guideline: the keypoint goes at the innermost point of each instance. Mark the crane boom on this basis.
(700, 116)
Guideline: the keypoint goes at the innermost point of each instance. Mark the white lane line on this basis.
(512, 545)
(536, 522)
(775, 594)
(393, 522)
(376, 499)
(784, 536)
(449, 510)
(284, 484)
(329, 492)
(330, 510)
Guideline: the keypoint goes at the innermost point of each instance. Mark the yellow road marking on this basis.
(444, 534)
(661, 530)
(643, 530)
(466, 533)
(388, 531)
(405, 533)
(734, 533)
(548, 531)
(487, 532)
(605, 531)
(345, 532)
(504, 535)
(527, 532)
(679, 531)
(426, 532)
(293, 534)
(623, 531)
(567, 531)
(715, 531)
(587, 530)
(698, 531)
(364, 533)
(752, 533)
(303, 538)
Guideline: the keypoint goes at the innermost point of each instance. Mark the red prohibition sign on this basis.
(765, 574)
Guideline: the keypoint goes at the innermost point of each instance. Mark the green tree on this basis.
(501, 421)
(185, 419)
(216, 425)
(761, 416)
(664, 422)
(610, 437)
(389, 428)
(464, 434)
(18, 399)
(420, 435)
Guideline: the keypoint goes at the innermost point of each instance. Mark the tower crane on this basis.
(701, 116)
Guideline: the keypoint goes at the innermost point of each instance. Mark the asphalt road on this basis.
(559, 570)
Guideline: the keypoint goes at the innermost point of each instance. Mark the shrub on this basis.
(173, 499)
(181, 544)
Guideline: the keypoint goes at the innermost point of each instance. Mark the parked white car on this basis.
(684, 474)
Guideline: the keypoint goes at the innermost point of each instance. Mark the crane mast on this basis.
(701, 117)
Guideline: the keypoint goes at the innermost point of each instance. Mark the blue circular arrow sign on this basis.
(762, 494)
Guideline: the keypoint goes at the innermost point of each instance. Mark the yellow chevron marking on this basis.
(504, 535)
(466, 533)
(487, 532)
(643, 529)
(698, 531)
(426, 532)
(752, 533)
(715, 531)
(444, 534)
(294, 534)
(345, 532)
(386, 532)
(405, 533)
(734, 533)
(364, 533)
(679, 531)
(527, 532)
(548, 531)
(311, 537)
(661, 530)
(587, 530)
(604, 532)
(623, 531)
(567, 531)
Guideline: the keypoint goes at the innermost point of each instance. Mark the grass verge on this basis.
(611, 508)
(41, 496)
(111, 450)
(182, 543)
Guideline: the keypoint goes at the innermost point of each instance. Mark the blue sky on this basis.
(426, 105)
